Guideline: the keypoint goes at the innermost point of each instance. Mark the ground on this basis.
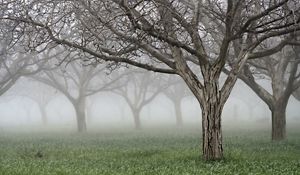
(163, 151)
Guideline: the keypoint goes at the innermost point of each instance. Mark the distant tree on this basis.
(77, 82)
(15, 62)
(41, 94)
(176, 92)
(138, 90)
(282, 71)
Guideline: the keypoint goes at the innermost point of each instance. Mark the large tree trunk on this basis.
(212, 105)
(279, 122)
(178, 113)
(211, 102)
(80, 115)
(211, 129)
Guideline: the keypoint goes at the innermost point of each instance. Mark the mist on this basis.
(145, 87)
(108, 111)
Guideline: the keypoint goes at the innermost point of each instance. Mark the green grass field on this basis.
(163, 151)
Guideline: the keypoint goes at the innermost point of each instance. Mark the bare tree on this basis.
(43, 98)
(167, 37)
(282, 71)
(39, 93)
(138, 90)
(15, 61)
(176, 92)
(12, 68)
(77, 82)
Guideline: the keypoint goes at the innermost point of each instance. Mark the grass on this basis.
(164, 151)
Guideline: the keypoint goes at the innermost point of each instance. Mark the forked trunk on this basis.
(178, 114)
(279, 123)
(212, 106)
(212, 103)
(212, 100)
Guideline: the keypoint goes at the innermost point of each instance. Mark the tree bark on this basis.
(211, 129)
(279, 122)
(178, 113)
(80, 115)
(211, 101)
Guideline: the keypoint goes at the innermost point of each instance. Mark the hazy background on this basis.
(106, 110)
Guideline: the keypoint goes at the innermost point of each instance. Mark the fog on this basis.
(107, 110)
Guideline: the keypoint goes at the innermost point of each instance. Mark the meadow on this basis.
(159, 151)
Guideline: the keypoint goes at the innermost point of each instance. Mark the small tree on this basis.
(138, 90)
